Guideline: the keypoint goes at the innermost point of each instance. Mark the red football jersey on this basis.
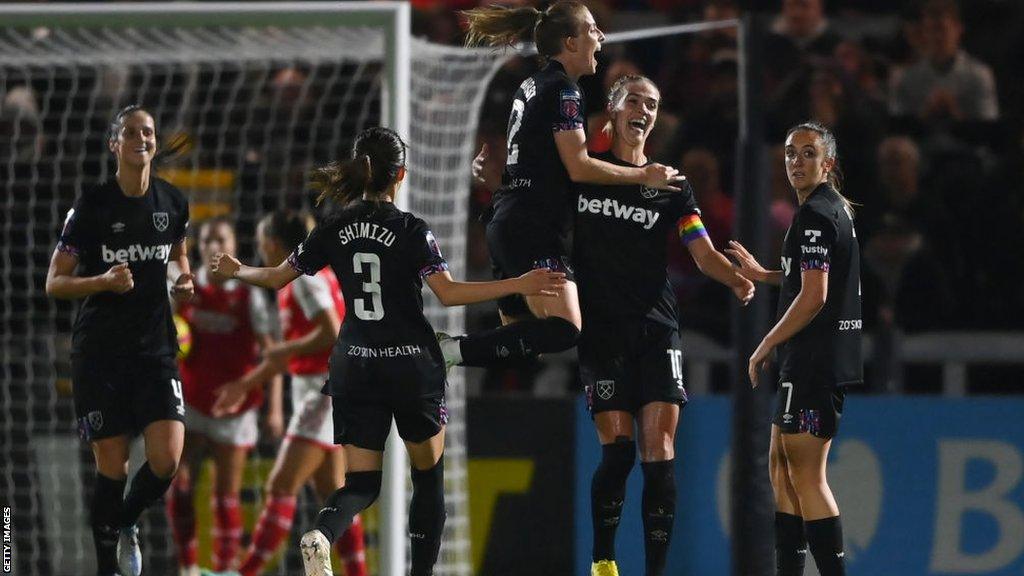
(225, 320)
(297, 304)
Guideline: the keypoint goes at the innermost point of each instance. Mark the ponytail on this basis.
(378, 155)
(498, 26)
(342, 180)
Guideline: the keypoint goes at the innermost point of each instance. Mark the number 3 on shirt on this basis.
(376, 311)
(518, 107)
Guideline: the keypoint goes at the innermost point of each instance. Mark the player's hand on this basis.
(541, 282)
(749, 268)
(662, 177)
(277, 355)
(744, 291)
(119, 278)
(478, 166)
(228, 399)
(273, 423)
(182, 290)
(224, 265)
(759, 360)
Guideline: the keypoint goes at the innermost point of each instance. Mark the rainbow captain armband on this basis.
(691, 228)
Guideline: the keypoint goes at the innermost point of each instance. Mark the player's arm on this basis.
(228, 266)
(750, 268)
(62, 283)
(318, 339)
(572, 149)
(182, 289)
(538, 282)
(810, 301)
(716, 266)
(231, 396)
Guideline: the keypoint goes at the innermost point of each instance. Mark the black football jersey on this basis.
(105, 228)
(620, 249)
(535, 181)
(822, 237)
(381, 256)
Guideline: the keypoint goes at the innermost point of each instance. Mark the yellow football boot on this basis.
(604, 568)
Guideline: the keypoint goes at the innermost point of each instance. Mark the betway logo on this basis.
(136, 253)
(611, 207)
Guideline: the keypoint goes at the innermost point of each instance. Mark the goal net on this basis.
(262, 94)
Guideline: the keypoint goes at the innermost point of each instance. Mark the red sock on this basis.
(352, 550)
(271, 529)
(227, 531)
(182, 513)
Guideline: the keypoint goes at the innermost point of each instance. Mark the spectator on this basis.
(947, 82)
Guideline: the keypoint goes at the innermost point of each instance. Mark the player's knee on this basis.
(658, 447)
(164, 465)
(617, 459)
(366, 484)
(805, 477)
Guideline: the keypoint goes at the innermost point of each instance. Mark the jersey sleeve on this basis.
(566, 110)
(426, 254)
(689, 224)
(311, 255)
(181, 227)
(260, 316)
(77, 236)
(313, 295)
(816, 235)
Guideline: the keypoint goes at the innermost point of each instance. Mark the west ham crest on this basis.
(160, 221)
(605, 389)
(96, 420)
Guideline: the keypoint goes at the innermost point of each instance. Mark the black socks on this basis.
(659, 512)
(359, 492)
(825, 538)
(107, 506)
(607, 493)
(518, 341)
(426, 518)
(146, 488)
(790, 545)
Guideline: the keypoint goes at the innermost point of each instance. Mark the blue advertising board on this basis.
(926, 486)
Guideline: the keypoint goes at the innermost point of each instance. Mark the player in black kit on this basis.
(113, 254)
(818, 336)
(386, 362)
(531, 216)
(631, 357)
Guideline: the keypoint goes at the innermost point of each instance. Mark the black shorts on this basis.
(116, 396)
(518, 244)
(368, 392)
(627, 367)
(809, 408)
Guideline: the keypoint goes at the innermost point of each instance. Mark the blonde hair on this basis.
(617, 95)
(499, 26)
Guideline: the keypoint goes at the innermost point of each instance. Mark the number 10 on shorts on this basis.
(675, 357)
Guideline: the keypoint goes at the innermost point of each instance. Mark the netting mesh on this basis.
(259, 108)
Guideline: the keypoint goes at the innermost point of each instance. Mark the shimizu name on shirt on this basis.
(136, 253)
(367, 230)
(612, 207)
(384, 351)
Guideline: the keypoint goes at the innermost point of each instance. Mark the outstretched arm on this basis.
(572, 149)
(750, 268)
(228, 266)
(541, 281)
(715, 265)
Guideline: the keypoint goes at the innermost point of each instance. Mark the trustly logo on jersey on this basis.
(612, 207)
(136, 253)
(787, 263)
(160, 221)
(813, 234)
(605, 389)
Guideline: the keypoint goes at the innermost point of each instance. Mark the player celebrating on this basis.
(530, 219)
(113, 253)
(229, 321)
(819, 350)
(311, 310)
(386, 363)
(631, 357)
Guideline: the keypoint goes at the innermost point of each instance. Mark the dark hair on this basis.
(176, 146)
(499, 26)
(828, 142)
(221, 220)
(287, 227)
(377, 156)
(941, 9)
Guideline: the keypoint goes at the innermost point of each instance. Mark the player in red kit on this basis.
(230, 321)
(311, 310)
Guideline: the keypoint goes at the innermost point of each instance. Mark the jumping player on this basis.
(311, 311)
(818, 336)
(113, 254)
(530, 220)
(386, 363)
(230, 322)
